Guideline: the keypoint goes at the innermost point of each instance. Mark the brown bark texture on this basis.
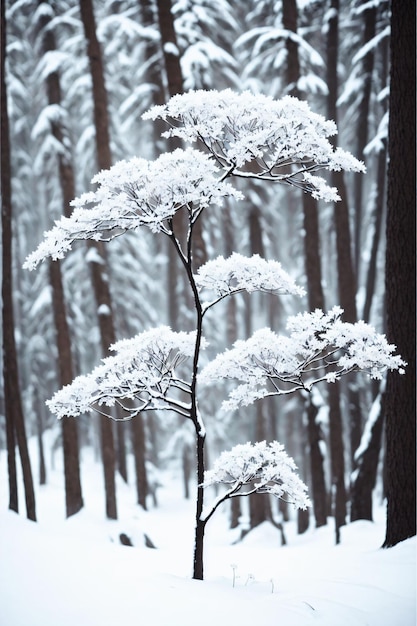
(15, 421)
(99, 271)
(312, 261)
(400, 278)
(73, 491)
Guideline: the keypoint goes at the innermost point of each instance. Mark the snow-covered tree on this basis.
(246, 136)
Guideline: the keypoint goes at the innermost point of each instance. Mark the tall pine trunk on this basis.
(346, 278)
(99, 266)
(313, 273)
(379, 202)
(73, 492)
(139, 444)
(15, 421)
(400, 278)
(362, 129)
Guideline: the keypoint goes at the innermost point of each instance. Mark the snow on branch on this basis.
(135, 193)
(257, 468)
(138, 377)
(253, 135)
(319, 347)
(239, 273)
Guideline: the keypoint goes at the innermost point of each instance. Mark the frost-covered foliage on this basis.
(137, 193)
(261, 468)
(238, 273)
(253, 135)
(319, 347)
(138, 377)
(248, 135)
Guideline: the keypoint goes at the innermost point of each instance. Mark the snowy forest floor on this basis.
(75, 572)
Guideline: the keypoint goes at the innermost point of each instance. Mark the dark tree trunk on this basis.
(317, 464)
(235, 512)
(379, 206)
(121, 450)
(231, 312)
(362, 132)
(345, 275)
(73, 492)
(378, 222)
(259, 509)
(200, 526)
(292, 70)
(311, 252)
(400, 280)
(337, 459)
(139, 449)
(10, 374)
(345, 271)
(15, 422)
(107, 337)
(99, 270)
(149, 18)
(231, 336)
(169, 48)
(259, 504)
(41, 451)
(100, 110)
(364, 476)
(174, 84)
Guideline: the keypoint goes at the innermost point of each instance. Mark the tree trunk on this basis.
(379, 206)
(139, 448)
(41, 451)
(174, 84)
(400, 279)
(378, 222)
(362, 132)
(311, 253)
(99, 270)
(235, 512)
(169, 48)
(15, 422)
(73, 492)
(200, 525)
(364, 476)
(317, 464)
(345, 272)
(337, 459)
(259, 504)
(121, 450)
(149, 18)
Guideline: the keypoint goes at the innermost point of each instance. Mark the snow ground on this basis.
(75, 572)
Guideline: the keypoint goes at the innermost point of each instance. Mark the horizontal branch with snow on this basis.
(141, 376)
(255, 136)
(319, 347)
(238, 273)
(256, 468)
(137, 193)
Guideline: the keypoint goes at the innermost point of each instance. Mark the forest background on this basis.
(78, 77)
